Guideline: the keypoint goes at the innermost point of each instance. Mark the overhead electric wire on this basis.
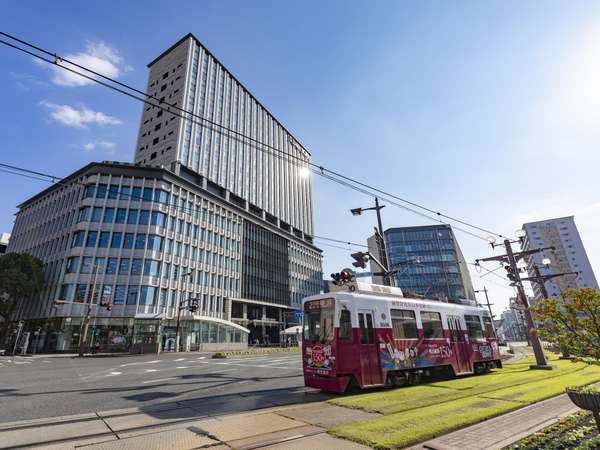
(321, 169)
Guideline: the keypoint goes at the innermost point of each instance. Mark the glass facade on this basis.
(156, 243)
(429, 263)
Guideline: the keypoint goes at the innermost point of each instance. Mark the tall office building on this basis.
(568, 256)
(203, 214)
(428, 262)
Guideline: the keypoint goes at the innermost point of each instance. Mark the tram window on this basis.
(404, 324)
(474, 327)
(318, 323)
(370, 331)
(363, 331)
(432, 325)
(488, 328)
(345, 326)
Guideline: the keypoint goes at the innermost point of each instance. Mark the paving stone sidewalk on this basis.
(504, 430)
(179, 427)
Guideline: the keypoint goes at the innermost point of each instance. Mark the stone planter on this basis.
(587, 400)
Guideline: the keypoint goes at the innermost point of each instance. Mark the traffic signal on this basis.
(342, 277)
(361, 259)
(193, 305)
(510, 274)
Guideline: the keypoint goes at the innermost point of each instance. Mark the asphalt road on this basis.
(57, 386)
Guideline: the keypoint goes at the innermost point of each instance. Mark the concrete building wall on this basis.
(569, 255)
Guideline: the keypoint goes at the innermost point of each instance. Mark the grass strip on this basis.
(408, 398)
(419, 413)
(403, 429)
(256, 351)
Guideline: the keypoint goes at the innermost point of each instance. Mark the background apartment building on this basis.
(569, 255)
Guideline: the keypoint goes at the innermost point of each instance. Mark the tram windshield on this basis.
(318, 320)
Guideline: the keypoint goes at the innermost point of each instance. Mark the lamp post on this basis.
(380, 239)
(487, 301)
(86, 319)
(181, 294)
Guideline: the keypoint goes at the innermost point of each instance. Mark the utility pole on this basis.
(379, 236)
(86, 319)
(510, 258)
(180, 307)
(487, 301)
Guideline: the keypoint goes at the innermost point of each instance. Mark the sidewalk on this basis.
(187, 425)
(505, 429)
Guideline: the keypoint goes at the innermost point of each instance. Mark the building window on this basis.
(474, 327)
(124, 266)
(72, 264)
(89, 191)
(136, 266)
(125, 193)
(432, 325)
(111, 266)
(128, 240)
(121, 215)
(104, 239)
(404, 324)
(148, 295)
(102, 189)
(117, 238)
(157, 219)
(132, 216)
(136, 194)
(144, 217)
(87, 264)
(147, 195)
(78, 238)
(96, 214)
(84, 214)
(109, 215)
(132, 293)
(140, 241)
(119, 298)
(80, 293)
(92, 237)
(113, 191)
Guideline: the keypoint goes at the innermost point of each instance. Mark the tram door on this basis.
(459, 346)
(369, 351)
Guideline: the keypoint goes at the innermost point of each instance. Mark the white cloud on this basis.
(108, 147)
(78, 118)
(98, 57)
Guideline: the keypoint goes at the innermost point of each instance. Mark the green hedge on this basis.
(256, 351)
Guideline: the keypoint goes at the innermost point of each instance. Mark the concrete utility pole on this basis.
(510, 259)
(380, 237)
(487, 301)
(86, 319)
(180, 306)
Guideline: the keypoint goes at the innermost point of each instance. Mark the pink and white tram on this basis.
(370, 336)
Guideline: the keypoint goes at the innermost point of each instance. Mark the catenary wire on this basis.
(322, 170)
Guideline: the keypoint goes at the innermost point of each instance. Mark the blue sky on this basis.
(488, 111)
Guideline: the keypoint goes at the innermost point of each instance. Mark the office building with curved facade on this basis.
(203, 214)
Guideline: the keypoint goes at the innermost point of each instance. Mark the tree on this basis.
(572, 323)
(21, 278)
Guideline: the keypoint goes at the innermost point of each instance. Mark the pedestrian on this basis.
(97, 347)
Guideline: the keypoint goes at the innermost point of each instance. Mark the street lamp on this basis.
(546, 262)
(181, 294)
(520, 233)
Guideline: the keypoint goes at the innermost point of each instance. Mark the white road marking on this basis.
(202, 357)
(153, 362)
(182, 367)
(179, 359)
(47, 362)
(158, 380)
(112, 374)
(151, 370)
